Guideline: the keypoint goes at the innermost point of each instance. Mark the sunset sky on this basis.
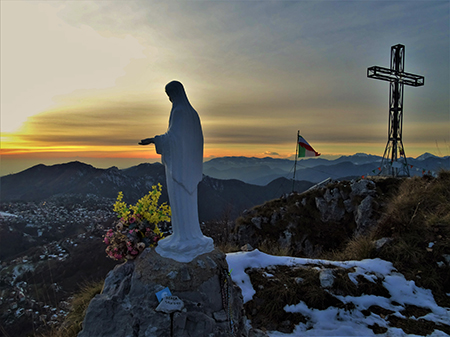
(84, 80)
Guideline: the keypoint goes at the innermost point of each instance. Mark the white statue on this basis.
(181, 149)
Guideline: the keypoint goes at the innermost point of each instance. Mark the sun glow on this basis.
(85, 80)
(55, 58)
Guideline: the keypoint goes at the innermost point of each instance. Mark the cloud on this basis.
(121, 125)
(54, 58)
(269, 153)
(255, 71)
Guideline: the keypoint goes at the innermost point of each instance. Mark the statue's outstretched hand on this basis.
(147, 141)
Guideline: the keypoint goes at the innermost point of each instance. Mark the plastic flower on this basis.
(141, 224)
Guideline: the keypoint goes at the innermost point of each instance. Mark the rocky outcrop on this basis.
(204, 301)
(318, 220)
(336, 202)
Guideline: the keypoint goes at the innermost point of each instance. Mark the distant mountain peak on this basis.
(70, 165)
(75, 163)
(426, 155)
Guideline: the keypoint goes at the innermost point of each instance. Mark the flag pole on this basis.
(295, 164)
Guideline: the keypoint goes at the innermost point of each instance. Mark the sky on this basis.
(335, 321)
(84, 80)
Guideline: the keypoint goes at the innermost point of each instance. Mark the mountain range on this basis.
(229, 186)
(217, 198)
(261, 171)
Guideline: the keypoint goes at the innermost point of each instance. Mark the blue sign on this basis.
(163, 293)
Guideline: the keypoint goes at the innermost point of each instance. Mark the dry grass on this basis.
(419, 221)
(420, 203)
(80, 302)
(272, 248)
(228, 247)
(359, 248)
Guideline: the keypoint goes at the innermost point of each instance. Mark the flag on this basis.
(304, 149)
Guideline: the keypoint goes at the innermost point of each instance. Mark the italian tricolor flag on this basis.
(304, 149)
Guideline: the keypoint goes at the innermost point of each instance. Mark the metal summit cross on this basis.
(392, 164)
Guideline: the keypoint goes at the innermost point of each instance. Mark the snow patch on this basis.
(336, 321)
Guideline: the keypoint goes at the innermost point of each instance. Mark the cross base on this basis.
(391, 165)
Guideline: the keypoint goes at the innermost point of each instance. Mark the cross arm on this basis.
(386, 74)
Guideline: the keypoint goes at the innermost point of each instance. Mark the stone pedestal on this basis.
(211, 303)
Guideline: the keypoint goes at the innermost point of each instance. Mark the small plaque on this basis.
(170, 304)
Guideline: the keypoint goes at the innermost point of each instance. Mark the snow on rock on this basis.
(341, 321)
(240, 261)
(325, 322)
(326, 278)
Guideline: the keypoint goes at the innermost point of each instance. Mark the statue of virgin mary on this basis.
(181, 150)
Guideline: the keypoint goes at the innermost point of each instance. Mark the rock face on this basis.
(318, 220)
(204, 301)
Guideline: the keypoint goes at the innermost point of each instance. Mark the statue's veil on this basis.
(185, 139)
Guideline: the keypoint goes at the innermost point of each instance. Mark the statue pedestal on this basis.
(211, 302)
(184, 250)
